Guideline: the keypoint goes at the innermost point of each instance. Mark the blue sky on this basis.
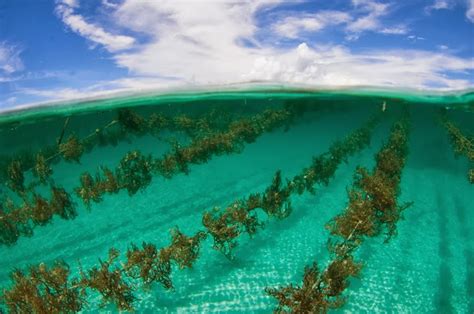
(66, 49)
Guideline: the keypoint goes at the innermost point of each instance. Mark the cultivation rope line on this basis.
(51, 289)
(133, 173)
(372, 209)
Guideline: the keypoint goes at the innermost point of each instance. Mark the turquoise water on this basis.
(427, 268)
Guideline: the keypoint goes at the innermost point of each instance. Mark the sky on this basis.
(66, 49)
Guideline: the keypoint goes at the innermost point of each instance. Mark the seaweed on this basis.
(275, 200)
(41, 169)
(183, 250)
(134, 172)
(61, 203)
(40, 211)
(149, 265)
(72, 149)
(372, 208)
(320, 291)
(88, 191)
(463, 145)
(44, 290)
(373, 205)
(109, 283)
(131, 121)
(223, 230)
(13, 224)
(16, 178)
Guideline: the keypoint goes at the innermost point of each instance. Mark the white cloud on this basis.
(365, 16)
(10, 62)
(371, 21)
(470, 10)
(292, 26)
(184, 46)
(397, 30)
(65, 9)
(337, 66)
(440, 5)
(187, 45)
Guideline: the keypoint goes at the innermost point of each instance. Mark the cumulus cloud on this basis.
(183, 47)
(334, 65)
(96, 34)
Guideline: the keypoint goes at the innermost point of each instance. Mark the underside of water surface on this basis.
(227, 201)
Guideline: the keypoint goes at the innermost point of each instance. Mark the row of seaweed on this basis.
(126, 123)
(227, 224)
(463, 145)
(371, 210)
(134, 172)
(45, 289)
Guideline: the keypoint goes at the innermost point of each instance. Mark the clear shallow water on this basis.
(426, 268)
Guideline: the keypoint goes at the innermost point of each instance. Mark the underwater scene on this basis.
(239, 201)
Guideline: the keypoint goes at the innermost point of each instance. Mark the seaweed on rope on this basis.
(462, 144)
(53, 289)
(127, 122)
(372, 209)
(134, 172)
(228, 224)
(116, 281)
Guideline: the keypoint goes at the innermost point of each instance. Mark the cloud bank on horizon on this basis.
(77, 48)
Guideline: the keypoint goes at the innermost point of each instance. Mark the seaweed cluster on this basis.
(115, 281)
(463, 145)
(226, 225)
(372, 208)
(16, 221)
(54, 290)
(135, 170)
(43, 290)
(128, 122)
(320, 291)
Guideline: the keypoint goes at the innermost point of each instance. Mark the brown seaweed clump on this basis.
(44, 290)
(463, 145)
(324, 166)
(131, 121)
(373, 203)
(13, 223)
(16, 178)
(134, 172)
(224, 227)
(72, 149)
(109, 283)
(39, 209)
(92, 188)
(148, 265)
(88, 191)
(61, 203)
(276, 199)
(41, 169)
(183, 250)
(319, 292)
